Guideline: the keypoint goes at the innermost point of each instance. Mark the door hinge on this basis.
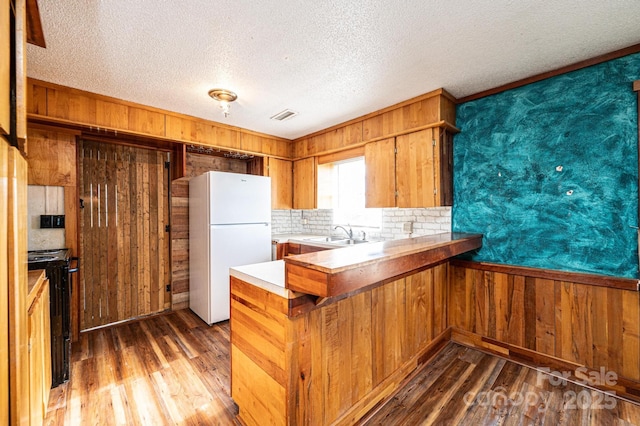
(167, 228)
(167, 164)
(395, 150)
(168, 287)
(397, 194)
(434, 142)
(435, 191)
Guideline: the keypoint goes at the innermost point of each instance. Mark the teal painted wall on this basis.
(548, 172)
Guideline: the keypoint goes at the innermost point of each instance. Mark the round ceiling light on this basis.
(223, 95)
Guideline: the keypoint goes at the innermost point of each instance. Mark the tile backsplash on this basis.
(427, 221)
(44, 200)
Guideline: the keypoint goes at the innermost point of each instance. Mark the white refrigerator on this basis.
(229, 225)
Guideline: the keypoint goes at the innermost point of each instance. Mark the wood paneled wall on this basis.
(349, 353)
(53, 161)
(433, 109)
(64, 106)
(583, 324)
(52, 158)
(196, 164)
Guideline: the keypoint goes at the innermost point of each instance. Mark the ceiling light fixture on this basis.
(225, 97)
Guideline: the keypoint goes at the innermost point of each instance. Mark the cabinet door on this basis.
(21, 73)
(415, 174)
(281, 173)
(304, 183)
(5, 60)
(380, 175)
(39, 355)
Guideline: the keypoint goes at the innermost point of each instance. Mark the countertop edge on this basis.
(307, 260)
(304, 276)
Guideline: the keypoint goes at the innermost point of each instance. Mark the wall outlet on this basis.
(407, 227)
(305, 221)
(51, 221)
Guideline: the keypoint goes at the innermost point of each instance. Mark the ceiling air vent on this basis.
(284, 115)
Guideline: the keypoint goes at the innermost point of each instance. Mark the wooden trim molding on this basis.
(344, 154)
(35, 33)
(630, 284)
(562, 70)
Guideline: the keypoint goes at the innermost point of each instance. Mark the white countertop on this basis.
(266, 275)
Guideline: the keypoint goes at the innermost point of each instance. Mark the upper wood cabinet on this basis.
(412, 170)
(304, 184)
(380, 176)
(5, 71)
(281, 174)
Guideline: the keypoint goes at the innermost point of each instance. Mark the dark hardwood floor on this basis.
(463, 386)
(173, 369)
(168, 369)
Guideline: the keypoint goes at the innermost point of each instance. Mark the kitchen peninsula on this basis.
(323, 337)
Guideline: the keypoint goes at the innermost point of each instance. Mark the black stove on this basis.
(56, 263)
(38, 258)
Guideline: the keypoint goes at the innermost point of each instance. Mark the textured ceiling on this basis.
(328, 60)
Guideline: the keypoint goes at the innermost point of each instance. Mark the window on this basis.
(341, 188)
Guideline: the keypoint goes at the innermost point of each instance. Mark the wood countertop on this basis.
(334, 272)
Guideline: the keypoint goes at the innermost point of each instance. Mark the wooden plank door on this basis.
(415, 174)
(124, 246)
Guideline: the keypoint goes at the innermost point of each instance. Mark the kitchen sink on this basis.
(326, 239)
(348, 242)
(339, 241)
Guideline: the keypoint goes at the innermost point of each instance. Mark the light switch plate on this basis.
(407, 227)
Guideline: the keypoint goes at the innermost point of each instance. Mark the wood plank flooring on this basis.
(463, 386)
(174, 369)
(168, 369)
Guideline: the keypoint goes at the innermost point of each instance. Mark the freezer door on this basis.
(233, 245)
(238, 198)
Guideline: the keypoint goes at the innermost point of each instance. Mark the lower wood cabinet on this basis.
(39, 332)
(287, 249)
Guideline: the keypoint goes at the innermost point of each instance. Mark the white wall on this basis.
(44, 200)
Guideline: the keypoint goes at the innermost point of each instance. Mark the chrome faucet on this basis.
(349, 232)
